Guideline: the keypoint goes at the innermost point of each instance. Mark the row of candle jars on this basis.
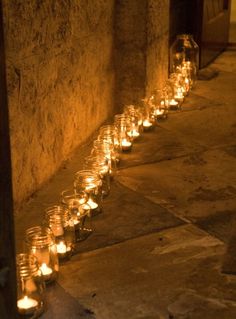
(46, 245)
(70, 222)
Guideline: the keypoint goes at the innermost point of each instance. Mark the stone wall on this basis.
(157, 44)
(141, 48)
(65, 78)
(60, 81)
(130, 51)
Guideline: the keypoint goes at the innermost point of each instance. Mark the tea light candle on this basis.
(159, 112)
(147, 125)
(173, 104)
(179, 95)
(46, 271)
(92, 204)
(27, 305)
(126, 145)
(133, 133)
(61, 248)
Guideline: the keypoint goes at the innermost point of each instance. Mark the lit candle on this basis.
(76, 221)
(147, 125)
(46, 271)
(159, 112)
(61, 248)
(92, 204)
(133, 133)
(173, 104)
(126, 145)
(27, 305)
(179, 95)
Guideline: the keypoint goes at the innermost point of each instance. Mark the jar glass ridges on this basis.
(104, 147)
(100, 165)
(41, 243)
(90, 182)
(30, 286)
(135, 121)
(170, 101)
(149, 118)
(178, 87)
(60, 221)
(123, 126)
(157, 103)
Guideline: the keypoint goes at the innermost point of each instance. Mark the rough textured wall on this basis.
(141, 48)
(157, 44)
(130, 50)
(60, 81)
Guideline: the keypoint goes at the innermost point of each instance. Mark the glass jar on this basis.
(104, 147)
(30, 286)
(40, 242)
(190, 72)
(100, 165)
(148, 116)
(135, 121)
(169, 91)
(157, 103)
(90, 182)
(123, 126)
(76, 203)
(178, 87)
(60, 221)
(184, 49)
(110, 132)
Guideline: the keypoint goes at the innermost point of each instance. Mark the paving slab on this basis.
(126, 214)
(226, 62)
(211, 126)
(158, 145)
(196, 187)
(171, 274)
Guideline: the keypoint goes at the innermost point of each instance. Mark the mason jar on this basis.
(104, 147)
(30, 286)
(184, 49)
(135, 121)
(40, 242)
(149, 118)
(76, 203)
(100, 165)
(169, 91)
(123, 126)
(59, 220)
(157, 103)
(89, 181)
(178, 87)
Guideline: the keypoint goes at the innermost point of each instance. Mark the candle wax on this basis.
(133, 133)
(146, 123)
(126, 143)
(61, 248)
(159, 112)
(92, 204)
(45, 269)
(173, 102)
(27, 303)
(76, 221)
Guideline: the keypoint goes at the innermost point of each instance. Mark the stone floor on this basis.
(159, 246)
